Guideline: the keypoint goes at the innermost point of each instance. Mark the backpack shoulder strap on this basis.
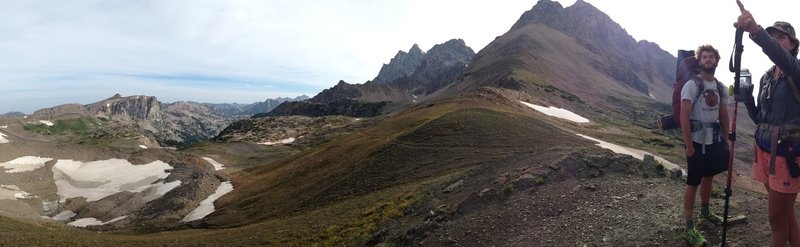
(789, 79)
(700, 87)
(795, 92)
(720, 87)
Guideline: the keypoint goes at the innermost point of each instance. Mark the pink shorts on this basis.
(781, 181)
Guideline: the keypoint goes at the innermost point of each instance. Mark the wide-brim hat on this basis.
(786, 28)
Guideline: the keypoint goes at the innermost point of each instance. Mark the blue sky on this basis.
(244, 51)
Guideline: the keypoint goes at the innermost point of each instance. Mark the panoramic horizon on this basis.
(250, 51)
(551, 126)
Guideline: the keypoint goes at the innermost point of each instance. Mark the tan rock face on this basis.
(166, 123)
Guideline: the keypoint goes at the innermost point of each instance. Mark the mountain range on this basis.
(443, 148)
(177, 123)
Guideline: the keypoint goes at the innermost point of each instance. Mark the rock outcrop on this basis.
(403, 64)
(171, 123)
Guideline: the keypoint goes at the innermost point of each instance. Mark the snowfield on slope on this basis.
(98, 179)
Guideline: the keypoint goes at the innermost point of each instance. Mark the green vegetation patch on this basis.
(360, 229)
(63, 126)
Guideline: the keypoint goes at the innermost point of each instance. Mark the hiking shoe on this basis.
(713, 218)
(693, 236)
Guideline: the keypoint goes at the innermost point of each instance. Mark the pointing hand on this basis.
(745, 20)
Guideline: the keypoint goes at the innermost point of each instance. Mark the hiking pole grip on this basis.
(735, 64)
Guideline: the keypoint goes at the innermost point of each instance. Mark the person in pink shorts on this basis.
(777, 115)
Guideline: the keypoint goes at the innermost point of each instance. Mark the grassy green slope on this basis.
(341, 192)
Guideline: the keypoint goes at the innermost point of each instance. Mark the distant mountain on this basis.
(13, 114)
(472, 153)
(171, 123)
(403, 64)
(345, 107)
(406, 77)
(235, 110)
(576, 54)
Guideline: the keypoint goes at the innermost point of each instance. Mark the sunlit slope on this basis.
(426, 142)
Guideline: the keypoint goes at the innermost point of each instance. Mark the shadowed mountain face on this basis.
(235, 110)
(403, 64)
(407, 77)
(423, 73)
(562, 56)
(577, 51)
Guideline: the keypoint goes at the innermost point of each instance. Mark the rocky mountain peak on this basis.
(403, 64)
(545, 11)
(415, 51)
(137, 107)
(449, 53)
(596, 32)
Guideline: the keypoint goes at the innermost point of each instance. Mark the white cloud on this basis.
(249, 50)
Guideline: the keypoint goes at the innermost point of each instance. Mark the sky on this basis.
(245, 51)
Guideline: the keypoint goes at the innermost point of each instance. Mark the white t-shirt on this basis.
(706, 109)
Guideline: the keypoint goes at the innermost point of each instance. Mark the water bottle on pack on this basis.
(745, 83)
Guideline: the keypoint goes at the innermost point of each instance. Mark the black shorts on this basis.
(714, 161)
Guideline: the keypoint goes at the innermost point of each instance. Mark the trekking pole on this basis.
(736, 68)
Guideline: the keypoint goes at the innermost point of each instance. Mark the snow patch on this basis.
(3, 138)
(557, 112)
(217, 166)
(64, 216)
(13, 192)
(3, 126)
(45, 122)
(160, 190)
(207, 206)
(84, 222)
(49, 206)
(98, 179)
(22, 195)
(639, 154)
(284, 141)
(143, 146)
(115, 219)
(25, 164)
